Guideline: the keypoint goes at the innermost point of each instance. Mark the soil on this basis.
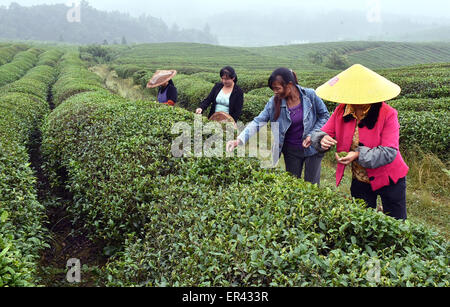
(67, 241)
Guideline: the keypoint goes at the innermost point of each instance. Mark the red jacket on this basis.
(385, 131)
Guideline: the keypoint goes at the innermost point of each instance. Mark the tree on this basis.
(316, 57)
(337, 61)
(39, 23)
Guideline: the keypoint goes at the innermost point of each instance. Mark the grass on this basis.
(122, 87)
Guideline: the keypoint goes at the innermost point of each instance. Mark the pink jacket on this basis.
(385, 132)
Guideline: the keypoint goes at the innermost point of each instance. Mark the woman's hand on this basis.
(231, 145)
(199, 111)
(352, 156)
(307, 142)
(327, 142)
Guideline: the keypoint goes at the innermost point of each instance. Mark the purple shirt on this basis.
(162, 96)
(294, 135)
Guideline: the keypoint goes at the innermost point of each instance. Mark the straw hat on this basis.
(358, 85)
(160, 77)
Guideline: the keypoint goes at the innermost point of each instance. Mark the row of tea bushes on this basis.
(422, 81)
(421, 104)
(8, 52)
(22, 216)
(250, 81)
(23, 107)
(109, 148)
(126, 71)
(255, 234)
(428, 130)
(35, 82)
(22, 62)
(50, 58)
(253, 105)
(74, 78)
(192, 91)
(141, 77)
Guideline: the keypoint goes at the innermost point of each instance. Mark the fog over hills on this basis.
(234, 22)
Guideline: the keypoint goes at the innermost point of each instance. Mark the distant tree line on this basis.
(54, 23)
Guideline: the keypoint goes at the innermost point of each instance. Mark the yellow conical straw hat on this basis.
(358, 85)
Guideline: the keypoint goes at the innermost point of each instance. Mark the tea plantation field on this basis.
(76, 155)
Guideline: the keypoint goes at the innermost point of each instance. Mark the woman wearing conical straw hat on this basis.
(167, 92)
(366, 131)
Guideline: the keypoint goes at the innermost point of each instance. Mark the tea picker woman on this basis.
(366, 129)
(167, 92)
(298, 112)
(226, 96)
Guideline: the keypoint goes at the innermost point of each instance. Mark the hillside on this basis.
(371, 54)
(198, 57)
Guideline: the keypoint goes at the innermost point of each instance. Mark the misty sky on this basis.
(181, 11)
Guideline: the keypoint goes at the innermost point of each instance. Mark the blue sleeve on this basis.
(260, 121)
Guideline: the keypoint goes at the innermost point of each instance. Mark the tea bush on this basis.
(252, 80)
(22, 236)
(256, 234)
(96, 54)
(126, 71)
(421, 104)
(22, 62)
(421, 81)
(141, 77)
(35, 82)
(50, 58)
(117, 133)
(8, 52)
(74, 78)
(192, 91)
(23, 107)
(253, 106)
(264, 91)
(208, 76)
(429, 130)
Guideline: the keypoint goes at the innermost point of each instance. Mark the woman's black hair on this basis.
(284, 76)
(170, 83)
(229, 72)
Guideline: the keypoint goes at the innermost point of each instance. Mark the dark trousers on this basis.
(294, 159)
(392, 196)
